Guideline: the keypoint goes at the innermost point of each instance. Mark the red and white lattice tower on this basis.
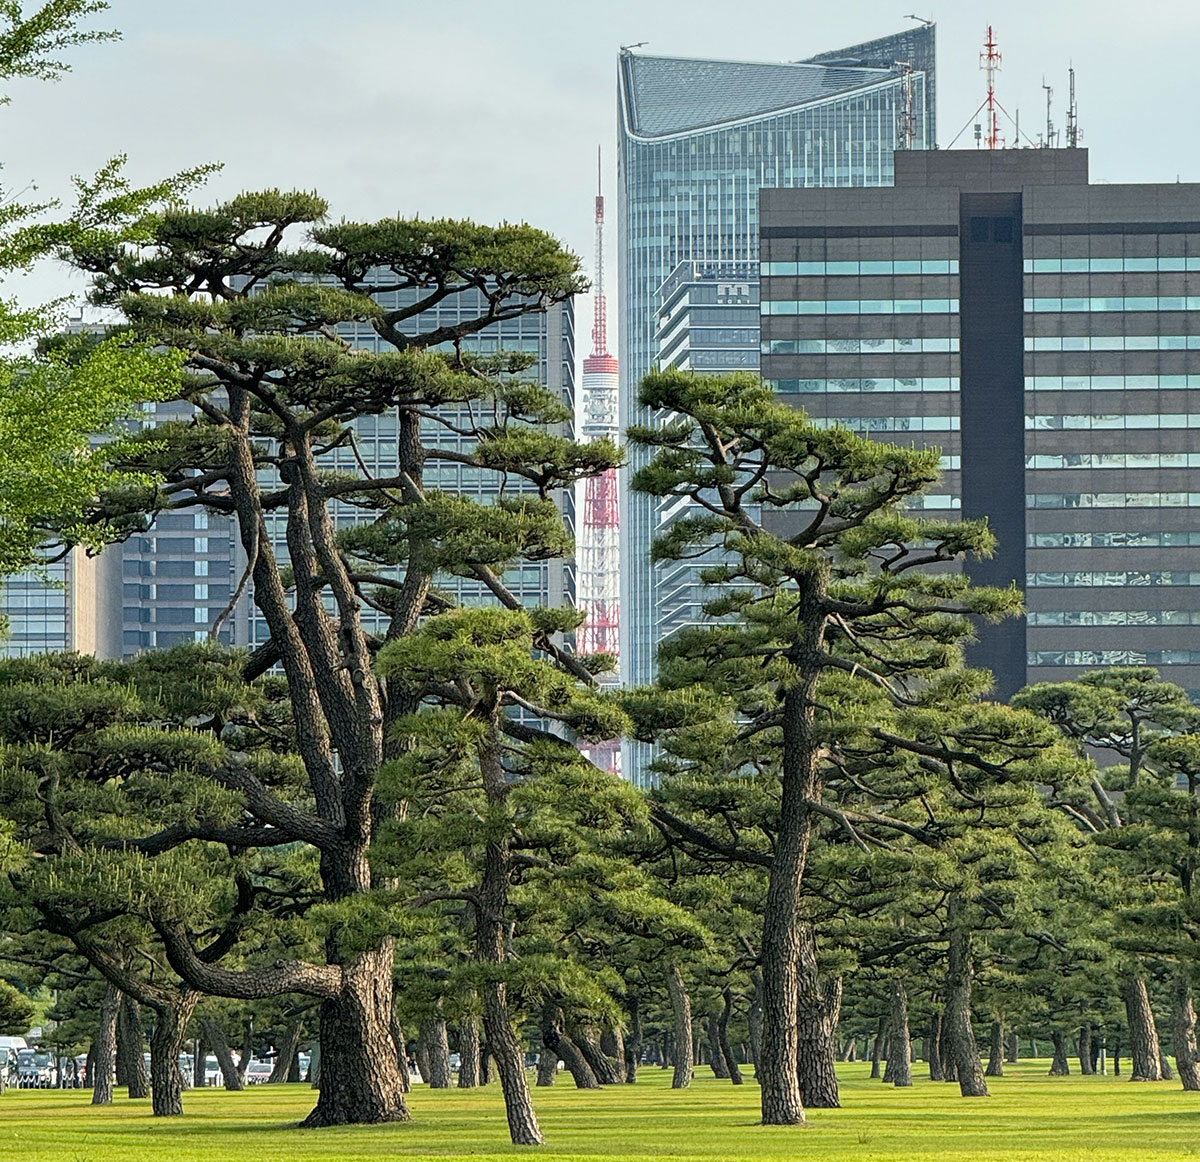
(989, 61)
(599, 578)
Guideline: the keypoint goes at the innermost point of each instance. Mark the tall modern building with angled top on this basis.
(698, 140)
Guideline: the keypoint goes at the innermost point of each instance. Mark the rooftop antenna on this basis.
(1051, 136)
(1072, 114)
(920, 20)
(600, 323)
(989, 61)
(640, 44)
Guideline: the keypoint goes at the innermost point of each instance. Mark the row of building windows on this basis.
(1116, 460)
(862, 306)
(1113, 500)
(1108, 265)
(1153, 420)
(1110, 382)
(1115, 579)
(889, 345)
(894, 423)
(1114, 303)
(1114, 657)
(1112, 342)
(834, 386)
(1156, 539)
(893, 266)
(1102, 617)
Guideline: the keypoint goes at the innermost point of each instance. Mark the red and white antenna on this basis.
(990, 60)
(599, 579)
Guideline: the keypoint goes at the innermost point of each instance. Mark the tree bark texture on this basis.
(817, 1013)
(436, 1039)
(359, 1076)
(490, 946)
(633, 1043)
(681, 1015)
(960, 1037)
(105, 1049)
(1164, 1065)
(782, 1103)
(131, 1065)
(286, 1056)
(1086, 1061)
(608, 1070)
(199, 1061)
(1012, 1049)
(1183, 1022)
(1059, 1065)
(733, 1072)
(556, 1044)
(214, 1034)
(716, 1059)
(166, 1044)
(995, 1065)
(899, 1042)
(877, 1047)
(1144, 1049)
(468, 1054)
(933, 1048)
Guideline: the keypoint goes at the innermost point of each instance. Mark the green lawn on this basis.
(1029, 1117)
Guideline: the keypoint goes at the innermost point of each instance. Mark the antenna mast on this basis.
(990, 62)
(908, 114)
(1072, 114)
(600, 323)
(1051, 136)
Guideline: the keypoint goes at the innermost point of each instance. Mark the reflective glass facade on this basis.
(698, 140)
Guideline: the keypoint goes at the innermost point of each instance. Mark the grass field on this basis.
(1029, 1117)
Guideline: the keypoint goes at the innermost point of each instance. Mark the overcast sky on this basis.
(491, 110)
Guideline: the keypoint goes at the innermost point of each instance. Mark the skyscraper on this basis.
(1043, 332)
(698, 140)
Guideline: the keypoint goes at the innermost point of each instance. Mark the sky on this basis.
(493, 111)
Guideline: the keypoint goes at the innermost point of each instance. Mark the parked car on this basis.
(257, 1072)
(35, 1069)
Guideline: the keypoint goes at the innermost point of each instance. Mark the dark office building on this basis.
(1045, 334)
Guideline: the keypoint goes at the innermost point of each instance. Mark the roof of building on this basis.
(669, 95)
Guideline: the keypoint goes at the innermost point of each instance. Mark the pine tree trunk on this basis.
(716, 1058)
(556, 1044)
(681, 1012)
(400, 1045)
(606, 1069)
(782, 1104)
(105, 1049)
(754, 1020)
(1086, 1065)
(1059, 1065)
(491, 948)
(818, 1010)
(357, 1057)
(612, 1045)
(435, 1038)
(1164, 1065)
(933, 1048)
(131, 1065)
(547, 1073)
(1183, 1020)
(960, 1038)
(1012, 1049)
(633, 1043)
(286, 1057)
(1144, 1048)
(900, 1043)
(995, 1065)
(247, 1054)
(199, 1062)
(731, 1065)
(166, 1044)
(877, 1047)
(468, 1054)
(214, 1034)
(422, 1056)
